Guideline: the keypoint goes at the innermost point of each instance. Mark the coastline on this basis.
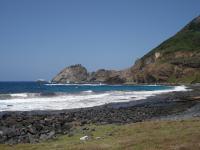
(152, 97)
(33, 126)
(85, 96)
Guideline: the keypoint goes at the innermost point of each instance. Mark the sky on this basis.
(38, 38)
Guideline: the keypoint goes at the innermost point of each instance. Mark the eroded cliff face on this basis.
(176, 68)
(177, 60)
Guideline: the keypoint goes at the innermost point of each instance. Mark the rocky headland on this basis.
(176, 60)
(79, 74)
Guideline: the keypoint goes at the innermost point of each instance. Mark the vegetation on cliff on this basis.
(176, 60)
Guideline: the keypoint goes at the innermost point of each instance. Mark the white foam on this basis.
(81, 100)
(88, 91)
(181, 88)
(68, 84)
(22, 95)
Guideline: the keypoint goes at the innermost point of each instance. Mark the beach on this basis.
(34, 126)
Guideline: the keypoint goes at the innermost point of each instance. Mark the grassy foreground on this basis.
(151, 135)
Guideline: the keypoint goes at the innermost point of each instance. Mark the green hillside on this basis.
(188, 39)
(176, 60)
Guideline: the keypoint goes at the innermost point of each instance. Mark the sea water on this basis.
(27, 96)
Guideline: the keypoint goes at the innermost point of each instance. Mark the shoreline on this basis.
(33, 126)
(60, 102)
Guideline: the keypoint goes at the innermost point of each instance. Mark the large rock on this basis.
(114, 80)
(104, 76)
(79, 74)
(72, 74)
(107, 76)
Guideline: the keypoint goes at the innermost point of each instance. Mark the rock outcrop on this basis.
(106, 76)
(79, 74)
(72, 74)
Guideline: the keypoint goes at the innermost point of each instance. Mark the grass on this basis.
(185, 40)
(152, 135)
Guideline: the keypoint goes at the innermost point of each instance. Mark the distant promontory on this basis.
(79, 74)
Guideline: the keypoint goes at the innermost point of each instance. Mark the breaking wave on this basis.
(59, 101)
(67, 84)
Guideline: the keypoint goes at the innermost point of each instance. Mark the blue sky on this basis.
(40, 37)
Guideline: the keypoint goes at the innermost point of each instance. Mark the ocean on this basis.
(28, 96)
